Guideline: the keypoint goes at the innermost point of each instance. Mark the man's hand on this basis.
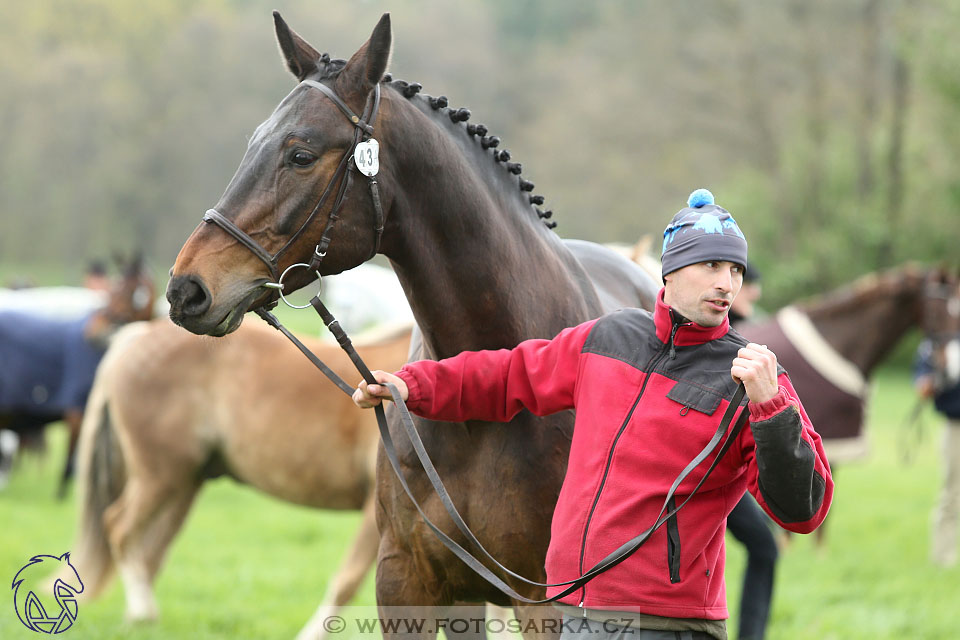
(367, 396)
(756, 367)
(925, 386)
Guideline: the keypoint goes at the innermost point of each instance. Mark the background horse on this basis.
(477, 262)
(49, 358)
(832, 344)
(170, 410)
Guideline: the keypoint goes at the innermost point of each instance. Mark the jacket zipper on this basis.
(667, 348)
(673, 544)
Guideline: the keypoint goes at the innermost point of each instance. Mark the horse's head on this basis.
(296, 177)
(941, 325)
(130, 299)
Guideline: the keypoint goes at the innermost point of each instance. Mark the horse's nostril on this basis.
(189, 295)
(197, 301)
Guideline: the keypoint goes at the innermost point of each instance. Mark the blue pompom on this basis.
(699, 198)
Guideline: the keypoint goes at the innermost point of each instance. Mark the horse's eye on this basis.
(303, 158)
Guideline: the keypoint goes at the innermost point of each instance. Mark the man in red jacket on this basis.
(648, 390)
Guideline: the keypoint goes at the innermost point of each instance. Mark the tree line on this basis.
(828, 129)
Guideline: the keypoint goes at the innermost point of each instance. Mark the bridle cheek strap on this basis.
(363, 132)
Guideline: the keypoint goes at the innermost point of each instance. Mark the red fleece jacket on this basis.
(648, 392)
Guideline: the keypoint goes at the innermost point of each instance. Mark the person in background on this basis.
(747, 522)
(95, 277)
(946, 400)
(649, 390)
(743, 308)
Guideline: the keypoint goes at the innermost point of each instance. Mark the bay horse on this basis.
(170, 410)
(49, 360)
(478, 263)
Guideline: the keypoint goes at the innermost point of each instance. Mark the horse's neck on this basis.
(866, 332)
(478, 267)
(485, 291)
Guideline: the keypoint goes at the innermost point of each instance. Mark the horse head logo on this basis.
(33, 613)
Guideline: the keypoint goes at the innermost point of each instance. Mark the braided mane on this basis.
(331, 68)
(480, 131)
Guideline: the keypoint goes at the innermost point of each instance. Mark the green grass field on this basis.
(246, 566)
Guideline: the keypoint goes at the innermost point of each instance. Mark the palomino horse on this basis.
(49, 362)
(170, 410)
(478, 264)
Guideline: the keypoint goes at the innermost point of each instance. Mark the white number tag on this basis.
(367, 157)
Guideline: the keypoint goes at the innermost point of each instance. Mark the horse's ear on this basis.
(370, 62)
(943, 273)
(301, 58)
(135, 266)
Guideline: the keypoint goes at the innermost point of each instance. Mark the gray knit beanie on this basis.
(700, 232)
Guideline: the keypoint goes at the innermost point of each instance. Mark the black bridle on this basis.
(363, 132)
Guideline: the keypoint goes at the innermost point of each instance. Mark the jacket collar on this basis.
(688, 333)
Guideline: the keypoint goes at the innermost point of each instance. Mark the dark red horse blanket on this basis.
(46, 365)
(836, 413)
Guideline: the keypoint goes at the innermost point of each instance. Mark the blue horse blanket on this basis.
(46, 365)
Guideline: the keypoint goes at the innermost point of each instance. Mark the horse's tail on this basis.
(101, 472)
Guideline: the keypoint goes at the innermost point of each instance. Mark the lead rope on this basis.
(723, 434)
(911, 432)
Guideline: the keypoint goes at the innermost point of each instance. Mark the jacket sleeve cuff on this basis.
(760, 411)
(413, 387)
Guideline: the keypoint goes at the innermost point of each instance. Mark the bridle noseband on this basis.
(363, 133)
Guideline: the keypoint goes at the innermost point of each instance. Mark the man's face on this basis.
(703, 292)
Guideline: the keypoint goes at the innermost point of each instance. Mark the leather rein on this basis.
(726, 433)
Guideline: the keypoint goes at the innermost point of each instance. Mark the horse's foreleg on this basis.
(406, 606)
(345, 582)
(140, 526)
(73, 419)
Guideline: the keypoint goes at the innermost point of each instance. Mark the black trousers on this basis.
(749, 524)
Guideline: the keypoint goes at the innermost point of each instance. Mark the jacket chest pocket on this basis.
(692, 396)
